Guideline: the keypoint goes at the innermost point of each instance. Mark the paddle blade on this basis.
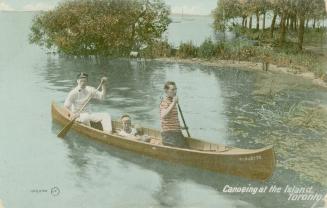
(65, 130)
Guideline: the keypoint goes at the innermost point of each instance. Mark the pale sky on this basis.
(203, 7)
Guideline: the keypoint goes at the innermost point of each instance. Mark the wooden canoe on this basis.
(257, 164)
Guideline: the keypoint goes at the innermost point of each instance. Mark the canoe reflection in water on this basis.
(169, 184)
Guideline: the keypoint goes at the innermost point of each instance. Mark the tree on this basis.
(291, 13)
(285, 8)
(275, 8)
(225, 11)
(318, 11)
(266, 6)
(258, 7)
(306, 9)
(101, 27)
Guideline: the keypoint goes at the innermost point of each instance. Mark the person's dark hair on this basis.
(125, 116)
(168, 83)
(82, 75)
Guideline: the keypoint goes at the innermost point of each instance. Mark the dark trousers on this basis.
(174, 139)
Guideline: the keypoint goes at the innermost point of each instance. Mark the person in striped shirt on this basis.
(170, 127)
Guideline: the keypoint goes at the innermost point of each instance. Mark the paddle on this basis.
(186, 128)
(68, 126)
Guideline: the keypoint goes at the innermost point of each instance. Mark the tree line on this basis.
(100, 27)
(292, 15)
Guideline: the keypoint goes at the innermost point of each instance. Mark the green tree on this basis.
(101, 27)
(225, 11)
(318, 11)
(207, 49)
(308, 9)
(257, 7)
(291, 15)
(285, 9)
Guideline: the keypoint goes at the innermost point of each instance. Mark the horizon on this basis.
(185, 7)
(178, 7)
(175, 14)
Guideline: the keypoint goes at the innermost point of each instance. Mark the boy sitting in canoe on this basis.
(170, 127)
(127, 129)
(132, 133)
(80, 95)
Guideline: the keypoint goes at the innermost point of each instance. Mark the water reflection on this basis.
(169, 185)
(278, 109)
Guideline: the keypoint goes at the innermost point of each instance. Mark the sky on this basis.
(197, 7)
(203, 7)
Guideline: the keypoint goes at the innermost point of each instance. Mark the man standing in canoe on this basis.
(80, 95)
(170, 127)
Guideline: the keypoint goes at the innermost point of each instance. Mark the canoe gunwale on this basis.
(253, 151)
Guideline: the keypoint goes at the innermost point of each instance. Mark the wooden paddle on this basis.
(186, 128)
(68, 126)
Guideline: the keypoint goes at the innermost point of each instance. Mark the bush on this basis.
(207, 49)
(246, 53)
(222, 50)
(187, 50)
(160, 48)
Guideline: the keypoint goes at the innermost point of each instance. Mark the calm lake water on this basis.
(222, 105)
(189, 28)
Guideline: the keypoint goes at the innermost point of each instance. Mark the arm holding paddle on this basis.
(101, 94)
(170, 108)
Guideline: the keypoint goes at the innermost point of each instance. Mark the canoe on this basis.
(257, 164)
(1, 204)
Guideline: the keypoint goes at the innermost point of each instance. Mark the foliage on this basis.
(223, 49)
(207, 49)
(187, 50)
(100, 27)
(243, 50)
(226, 10)
(159, 48)
(292, 16)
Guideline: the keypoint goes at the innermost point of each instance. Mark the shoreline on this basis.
(248, 65)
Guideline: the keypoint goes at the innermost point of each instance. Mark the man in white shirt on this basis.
(80, 95)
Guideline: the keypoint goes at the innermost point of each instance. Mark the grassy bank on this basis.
(252, 47)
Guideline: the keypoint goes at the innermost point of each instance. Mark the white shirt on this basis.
(125, 134)
(77, 98)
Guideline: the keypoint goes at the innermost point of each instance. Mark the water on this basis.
(203, 30)
(229, 106)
